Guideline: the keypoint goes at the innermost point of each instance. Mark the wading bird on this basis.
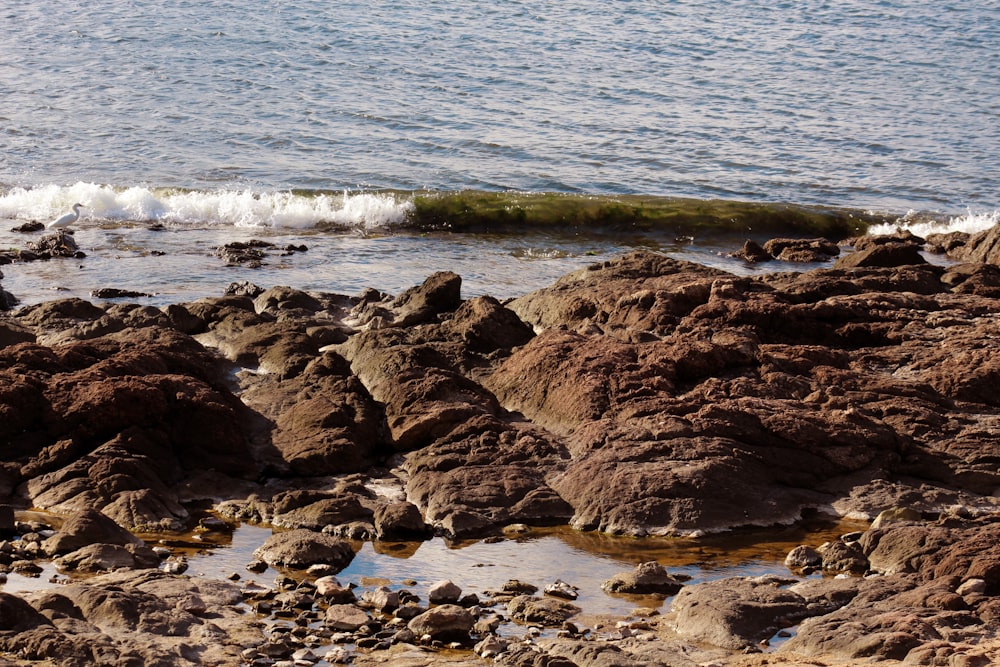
(68, 219)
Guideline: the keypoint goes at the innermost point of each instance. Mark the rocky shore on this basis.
(640, 396)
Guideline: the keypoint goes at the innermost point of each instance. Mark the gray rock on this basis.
(444, 592)
(345, 617)
(737, 612)
(649, 578)
(447, 622)
(548, 612)
(300, 548)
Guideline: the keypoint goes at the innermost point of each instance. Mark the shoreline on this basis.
(636, 396)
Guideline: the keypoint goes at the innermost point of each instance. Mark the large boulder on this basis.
(88, 527)
(300, 548)
(737, 613)
(447, 622)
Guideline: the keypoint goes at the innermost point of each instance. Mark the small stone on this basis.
(803, 557)
(338, 655)
(257, 566)
(175, 565)
(972, 587)
(345, 617)
(444, 592)
(331, 589)
(561, 589)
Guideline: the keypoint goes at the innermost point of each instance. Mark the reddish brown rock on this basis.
(737, 613)
(486, 475)
(982, 247)
(323, 421)
(802, 250)
(642, 292)
(889, 254)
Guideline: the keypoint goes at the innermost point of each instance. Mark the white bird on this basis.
(68, 219)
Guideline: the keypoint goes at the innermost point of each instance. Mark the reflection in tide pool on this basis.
(539, 556)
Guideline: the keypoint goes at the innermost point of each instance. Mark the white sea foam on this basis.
(922, 224)
(240, 208)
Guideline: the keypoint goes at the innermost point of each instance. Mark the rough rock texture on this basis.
(981, 247)
(144, 617)
(649, 578)
(642, 395)
(544, 611)
(301, 548)
(445, 622)
(736, 613)
(88, 527)
(730, 400)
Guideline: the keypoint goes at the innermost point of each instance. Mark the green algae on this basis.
(516, 211)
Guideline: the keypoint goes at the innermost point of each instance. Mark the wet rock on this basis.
(382, 599)
(446, 622)
(486, 491)
(59, 244)
(243, 288)
(333, 510)
(752, 252)
(400, 521)
(31, 226)
(890, 618)
(300, 548)
(739, 612)
(801, 250)
(330, 588)
(803, 558)
(146, 614)
(8, 527)
(490, 647)
(642, 291)
(486, 326)
(647, 579)
(545, 611)
(561, 589)
(107, 557)
(239, 253)
(840, 556)
(887, 255)
(440, 293)
(972, 278)
(321, 421)
(982, 247)
(7, 302)
(117, 293)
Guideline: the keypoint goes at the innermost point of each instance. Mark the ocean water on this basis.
(329, 122)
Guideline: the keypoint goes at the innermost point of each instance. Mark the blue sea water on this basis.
(290, 113)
